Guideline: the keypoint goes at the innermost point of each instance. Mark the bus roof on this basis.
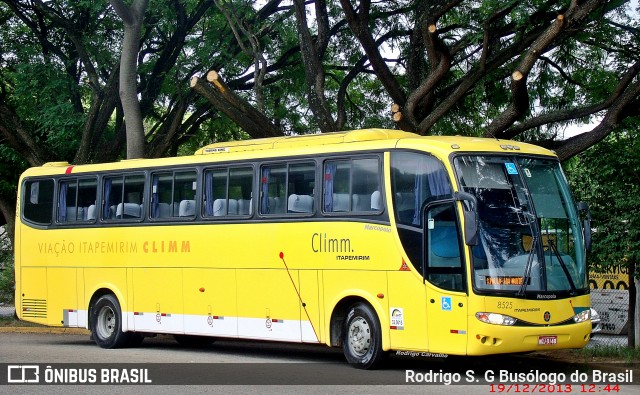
(354, 140)
(405, 139)
(305, 140)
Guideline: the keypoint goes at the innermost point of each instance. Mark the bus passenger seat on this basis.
(91, 212)
(355, 203)
(187, 208)
(244, 206)
(130, 210)
(376, 201)
(300, 203)
(233, 207)
(71, 214)
(219, 207)
(164, 210)
(340, 202)
(276, 205)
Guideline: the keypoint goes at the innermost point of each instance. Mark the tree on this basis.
(522, 66)
(59, 87)
(132, 17)
(522, 70)
(607, 176)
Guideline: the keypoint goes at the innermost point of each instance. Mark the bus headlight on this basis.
(582, 316)
(496, 319)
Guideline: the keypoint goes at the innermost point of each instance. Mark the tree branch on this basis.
(19, 138)
(627, 102)
(519, 93)
(575, 113)
(359, 24)
(236, 108)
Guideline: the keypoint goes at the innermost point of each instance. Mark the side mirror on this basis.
(583, 208)
(470, 204)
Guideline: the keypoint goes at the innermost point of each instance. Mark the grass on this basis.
(14, 322)
(618, 353)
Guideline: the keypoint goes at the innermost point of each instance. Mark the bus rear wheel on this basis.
(106, 324)
(362, 338)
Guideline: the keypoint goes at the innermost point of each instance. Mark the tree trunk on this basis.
(132, 17)
(358, 20)
(313, 69)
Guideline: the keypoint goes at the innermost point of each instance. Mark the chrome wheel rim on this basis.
(106, 324)
(359, 336)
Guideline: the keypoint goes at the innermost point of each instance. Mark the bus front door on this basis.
(447, 321)
(445, 281)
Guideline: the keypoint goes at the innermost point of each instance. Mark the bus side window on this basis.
(287, 188)
(87, 195)
(68, 210)
(77, 200)
(228, 192)
(366, 182)
(37, 204)
(301, 187)
(123, 197)
(239, 193)
(352, 185)
(273, 189)
(173, 194)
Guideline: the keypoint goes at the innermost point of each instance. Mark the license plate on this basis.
(547, 340)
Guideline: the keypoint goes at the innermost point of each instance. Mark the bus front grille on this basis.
(34, 308)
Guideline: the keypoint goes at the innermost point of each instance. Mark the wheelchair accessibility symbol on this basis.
(511, 168)
(446, 303)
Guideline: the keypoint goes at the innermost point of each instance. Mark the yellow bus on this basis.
(370, 240)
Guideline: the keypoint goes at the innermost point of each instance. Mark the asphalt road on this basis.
(245, 367)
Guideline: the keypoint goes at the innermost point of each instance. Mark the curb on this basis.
(35, 329)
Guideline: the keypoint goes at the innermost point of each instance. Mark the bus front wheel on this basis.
(362, 339)
(106, 323)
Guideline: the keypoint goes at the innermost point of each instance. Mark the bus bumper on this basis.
(485, 339)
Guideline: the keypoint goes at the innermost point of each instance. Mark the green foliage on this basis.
(214, 130)
(12, 166)
(43, 101)
(607, 177)
(626, 354)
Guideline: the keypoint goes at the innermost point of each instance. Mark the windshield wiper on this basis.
(526, 276)
(564, 266)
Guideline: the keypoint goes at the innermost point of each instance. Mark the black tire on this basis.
(192, 341)
(106, 323)
(362, 337)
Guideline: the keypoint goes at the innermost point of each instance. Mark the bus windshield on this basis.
(530, 238)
